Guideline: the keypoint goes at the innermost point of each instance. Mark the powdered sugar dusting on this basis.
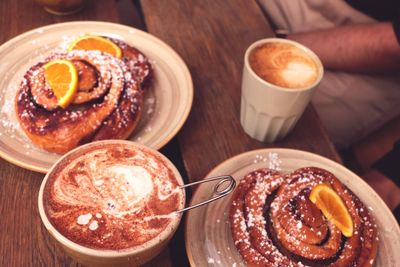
(10, 130)
(9, 124)
(269, 205)
(259, 158)
(274, 161)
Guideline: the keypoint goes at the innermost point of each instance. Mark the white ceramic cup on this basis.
(269, 112)
(97, 257)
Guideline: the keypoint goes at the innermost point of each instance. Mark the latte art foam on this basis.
(284, 65)
(113, 197)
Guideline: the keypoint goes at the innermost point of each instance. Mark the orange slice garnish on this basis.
(62, 77)
(93, 42)
(332, 207)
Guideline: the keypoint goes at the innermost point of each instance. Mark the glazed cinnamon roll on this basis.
(137, 63)
(274, 223)
(107, 105)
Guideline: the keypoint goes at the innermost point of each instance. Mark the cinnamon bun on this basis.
(274, 223)
(107, 105)
(137, 63)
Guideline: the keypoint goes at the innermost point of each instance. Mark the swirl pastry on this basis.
(274, 223)
(138, 64)
(107, 105)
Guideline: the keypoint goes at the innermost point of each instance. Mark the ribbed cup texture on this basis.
(263, 127)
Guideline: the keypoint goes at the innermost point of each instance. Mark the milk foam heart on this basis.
(284, 65)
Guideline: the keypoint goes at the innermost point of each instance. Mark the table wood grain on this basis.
(211, 36)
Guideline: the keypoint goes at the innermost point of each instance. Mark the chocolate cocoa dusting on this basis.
(112, 197)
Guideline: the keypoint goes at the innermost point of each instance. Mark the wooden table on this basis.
(211, 36)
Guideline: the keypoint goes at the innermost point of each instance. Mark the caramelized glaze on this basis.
(274, 223)
(107, 106)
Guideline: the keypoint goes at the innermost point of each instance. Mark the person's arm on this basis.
(389, 164)
(384, 186)
(384, 178)
(370, 47)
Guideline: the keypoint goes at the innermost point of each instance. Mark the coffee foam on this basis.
(284, 65)
(136, 182)
(115, 197)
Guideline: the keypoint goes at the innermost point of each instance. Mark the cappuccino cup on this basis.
(112, 203)
(279, 78)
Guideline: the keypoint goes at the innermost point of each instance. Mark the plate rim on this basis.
(183, 69)
(190, 253)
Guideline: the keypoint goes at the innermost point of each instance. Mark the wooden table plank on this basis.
(212, 36)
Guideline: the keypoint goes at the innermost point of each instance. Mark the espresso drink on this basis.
(284, 65)
(113, 196)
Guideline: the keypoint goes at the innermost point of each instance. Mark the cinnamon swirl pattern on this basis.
(138, 63)
(108, 103)
(112, 196)
(274, 223)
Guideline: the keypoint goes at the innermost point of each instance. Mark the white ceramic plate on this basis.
(167, 103)
(207, 231)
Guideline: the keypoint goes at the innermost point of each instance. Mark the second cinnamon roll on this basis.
(274, 223)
